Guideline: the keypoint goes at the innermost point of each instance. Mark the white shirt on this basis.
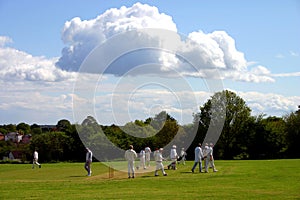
(158, 156)
(182, 153)
(142, 154)
(130, 155)
(198, 154)
(207, 151)
(173, 154)
(89, 156)
(35, 155)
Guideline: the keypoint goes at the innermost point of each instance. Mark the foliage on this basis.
(293, 134)
(242, 137)
(225, 107)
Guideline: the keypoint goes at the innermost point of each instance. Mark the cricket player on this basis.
(158, 160)
(88, 161)
(174, 157)
(142, 160)
(212, 160)
(182, 156)
(130, 156)
(35, 159)
(206, 151)
(198, 158)
(147, 156)
(209, 159)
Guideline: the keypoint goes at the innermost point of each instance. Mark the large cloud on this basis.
(210, 51)
(84, 35)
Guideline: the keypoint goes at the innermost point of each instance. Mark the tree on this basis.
(293, 134)
(266, 138)
(24, 128)
(52, 146)
(89, 121)
(35, 129)
(227, 109)
(64, 126)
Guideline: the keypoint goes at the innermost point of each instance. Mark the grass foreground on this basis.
(247, 179)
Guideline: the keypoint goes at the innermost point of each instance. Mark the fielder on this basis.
(35, 159)
(174, 157)
(130, 156)
(198, 158)
(88, 161)
(182, 156)
(142, 160)
(209, 158)
(147, 156)
(158, 160)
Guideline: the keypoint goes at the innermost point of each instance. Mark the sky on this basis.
(125, 60)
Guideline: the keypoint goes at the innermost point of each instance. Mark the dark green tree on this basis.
(35, 129)
(293, 134)
(227, 109)
(63, 125)
(23, 128)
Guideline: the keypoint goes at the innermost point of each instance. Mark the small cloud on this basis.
(260, 70)
(5, 40)
(294, 54)
(280, 56)
(293, 74)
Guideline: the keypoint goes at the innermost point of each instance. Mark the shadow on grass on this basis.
(76, 176)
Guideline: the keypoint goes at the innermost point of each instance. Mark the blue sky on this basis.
(34, 89)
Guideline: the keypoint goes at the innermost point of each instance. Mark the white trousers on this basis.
(35, 162)
(130, 168)
(159, 166)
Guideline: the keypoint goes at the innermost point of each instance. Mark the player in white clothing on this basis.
(158, 160)
(209, 158)
(147, 156)
(130, 156)
(88, 161)
(198, 158)
(142, 160)
(35, 159)
(174, 157)
(182, 157)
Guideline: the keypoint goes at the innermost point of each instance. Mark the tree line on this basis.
(242, 136)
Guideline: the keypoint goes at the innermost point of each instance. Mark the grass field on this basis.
(264, 179)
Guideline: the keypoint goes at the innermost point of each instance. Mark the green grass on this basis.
(265, 179)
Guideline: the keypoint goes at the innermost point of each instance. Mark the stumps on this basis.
(110, 172)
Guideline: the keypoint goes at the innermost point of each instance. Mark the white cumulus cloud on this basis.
(19, 65)
(204, 52)
(273, 104)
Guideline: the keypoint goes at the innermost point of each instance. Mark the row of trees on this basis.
(242, 136)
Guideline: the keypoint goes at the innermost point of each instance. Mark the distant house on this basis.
(26, 139)
(14, 137)
(15, 155)
(49, 128)
(2, 136)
